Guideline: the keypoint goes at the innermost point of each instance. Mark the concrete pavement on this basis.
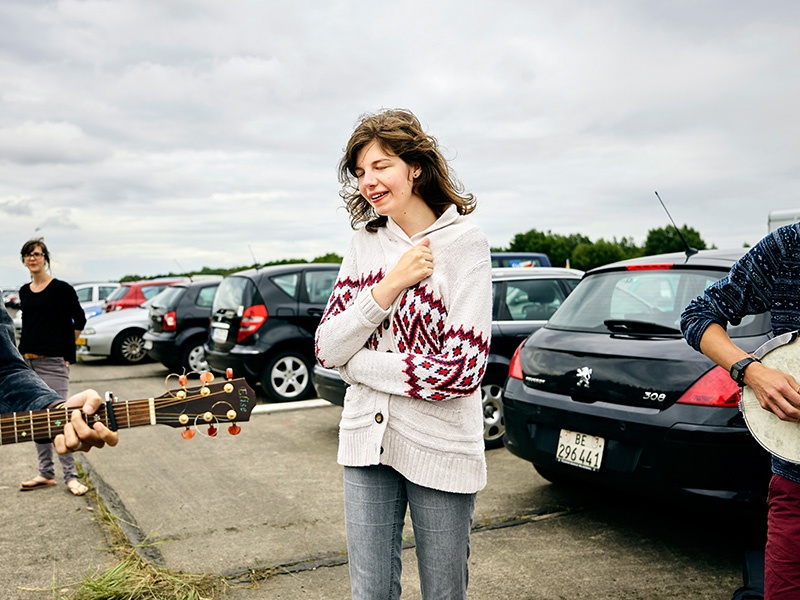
(264, 509)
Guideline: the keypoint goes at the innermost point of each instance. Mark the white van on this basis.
(779, 218)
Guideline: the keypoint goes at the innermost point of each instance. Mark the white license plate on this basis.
(580, 449)
(218, 334)
(148, 344)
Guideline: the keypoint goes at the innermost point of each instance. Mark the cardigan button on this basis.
(379, 418)
(386, 323)
(381, 449)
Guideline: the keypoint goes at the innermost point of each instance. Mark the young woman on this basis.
(52, 319)
(408, 326)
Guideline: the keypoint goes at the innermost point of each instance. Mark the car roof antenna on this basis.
(689, 251)
(180, 266)
(253, 254)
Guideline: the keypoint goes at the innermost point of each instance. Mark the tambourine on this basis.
(780, 438)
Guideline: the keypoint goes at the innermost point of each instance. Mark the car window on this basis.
(287, 282)
(656, 296)
(205, 297)
(105, 290)
(119, 293)
(530, 300)
(84, 294)
(167, 297)
(319, 285)
(151, 290)
(231, 295)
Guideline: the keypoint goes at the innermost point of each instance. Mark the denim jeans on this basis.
(375, 502)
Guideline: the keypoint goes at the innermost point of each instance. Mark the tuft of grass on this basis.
(133, 577)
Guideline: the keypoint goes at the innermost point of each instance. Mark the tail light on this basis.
(169, 322)
(252, 318)
(715, 388)
(515, 366)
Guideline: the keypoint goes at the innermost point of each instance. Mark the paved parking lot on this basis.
(264, 509)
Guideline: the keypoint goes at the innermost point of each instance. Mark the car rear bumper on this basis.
(161, 347)
(246, 362)
(329, 385)
(702, 453)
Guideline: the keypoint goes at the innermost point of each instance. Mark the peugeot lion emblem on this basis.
(584, 375)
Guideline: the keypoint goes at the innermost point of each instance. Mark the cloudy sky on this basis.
(148, 136)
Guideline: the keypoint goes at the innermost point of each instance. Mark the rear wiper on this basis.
(629, 326)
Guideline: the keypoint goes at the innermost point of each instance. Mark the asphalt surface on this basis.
(264, 510)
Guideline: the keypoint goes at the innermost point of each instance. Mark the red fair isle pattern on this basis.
(343, 295)
(457, 371)
(440, 365)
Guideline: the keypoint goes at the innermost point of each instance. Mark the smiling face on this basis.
(35, 258)
(387, 182)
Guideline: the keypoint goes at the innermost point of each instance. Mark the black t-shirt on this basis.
(49, 320)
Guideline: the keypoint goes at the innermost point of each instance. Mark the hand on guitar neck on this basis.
(78, 434)
(85, 421)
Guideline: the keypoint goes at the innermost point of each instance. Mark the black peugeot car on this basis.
(179, 322)
(609, 392)
(263, 323)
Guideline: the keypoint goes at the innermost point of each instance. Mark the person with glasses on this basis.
(52, 319)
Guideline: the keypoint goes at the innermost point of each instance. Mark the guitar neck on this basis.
(44, 425)
(207, 405)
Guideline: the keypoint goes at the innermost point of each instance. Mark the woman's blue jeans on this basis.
(375, 502)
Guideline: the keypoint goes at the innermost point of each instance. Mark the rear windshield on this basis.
(167, 297)
(655, 297)
(234, 294)
(118, 293)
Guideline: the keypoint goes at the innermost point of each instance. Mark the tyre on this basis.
(556, 478)
(193, 356)
(492, 400)
(128, 347)
(287, 377)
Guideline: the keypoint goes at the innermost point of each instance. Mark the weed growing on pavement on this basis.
(133, 577)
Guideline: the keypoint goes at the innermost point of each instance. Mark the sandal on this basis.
(76, 487)
(36, 483)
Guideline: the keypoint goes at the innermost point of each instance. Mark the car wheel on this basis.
(287, 377)
(492, 400)
(128, 347)
(193, 356)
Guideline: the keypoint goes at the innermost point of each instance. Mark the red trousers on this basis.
(782, 557)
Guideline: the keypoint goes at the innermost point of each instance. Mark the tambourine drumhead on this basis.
(781, 438)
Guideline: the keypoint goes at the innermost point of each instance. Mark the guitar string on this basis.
(42, 421)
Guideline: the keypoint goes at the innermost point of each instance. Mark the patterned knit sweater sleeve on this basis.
(764, 279)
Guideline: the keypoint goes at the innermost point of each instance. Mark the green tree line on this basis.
(575, 250)
(579, 252)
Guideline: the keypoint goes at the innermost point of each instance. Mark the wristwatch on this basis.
(737, 370)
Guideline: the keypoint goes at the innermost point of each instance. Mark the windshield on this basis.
(118, 293)
(640, 301)
(166, 297)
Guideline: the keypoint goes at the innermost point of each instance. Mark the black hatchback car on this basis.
(609, 392)
(263, 323)
(179, 322)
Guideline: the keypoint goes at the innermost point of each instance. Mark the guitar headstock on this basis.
(201, 405)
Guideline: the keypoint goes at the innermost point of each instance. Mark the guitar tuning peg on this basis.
(212, 431)
(188, 434)
(183, 380)
(234, 429)
(206, 377)
(229, 373)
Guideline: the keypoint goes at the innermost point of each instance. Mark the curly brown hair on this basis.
(400, 133)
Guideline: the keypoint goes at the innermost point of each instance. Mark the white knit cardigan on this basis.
(414, 400)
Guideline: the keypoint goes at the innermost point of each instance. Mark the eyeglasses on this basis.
(34, 255)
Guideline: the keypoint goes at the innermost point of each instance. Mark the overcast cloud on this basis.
(147, 136)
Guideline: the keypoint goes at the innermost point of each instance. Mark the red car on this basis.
(136, 293)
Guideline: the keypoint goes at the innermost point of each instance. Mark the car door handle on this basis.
(315, 312)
